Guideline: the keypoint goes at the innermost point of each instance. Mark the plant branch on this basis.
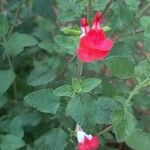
(105, 130)
(144, 9)
(15, 20)
(136, 90)
(107, 7)
(89, 12)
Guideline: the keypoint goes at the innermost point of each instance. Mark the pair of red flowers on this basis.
(94, 44)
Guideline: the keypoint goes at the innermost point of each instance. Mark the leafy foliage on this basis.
(6, 79)
(43, 100)
(10, 142)
(45, 91)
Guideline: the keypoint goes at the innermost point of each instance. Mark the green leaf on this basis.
(55, 139)
(3, 101)
(142, 70)
(133, 4)
(15, 126)
(44, 9)
(43, 72)
(123, 123)
(65, 90)
(145, 21)
(121, 67)
(66, 42)
(43, 100)
(18, 41)
(99, 5)
(108, 89)
(104, 108)
(30, 118)
(81, 109)
(123, 16)
(6, 79)
(70, 10)
(3, 24)
(139, 140)
(10, 142)
(86, 111)
(87, 85)
(46, 45)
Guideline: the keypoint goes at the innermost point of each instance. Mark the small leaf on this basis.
(121, 67)
(69, 43)
(145, 21)
(133, 4)
(142, 70)
(6, 79)
(65, 90)
(55, 139)
(10, 142)
(15, 45)
(43, 9)
(46, 45)
(123, 123)
(43, 72)
(3, 24)
(89, 84)
(43, 100)
(139, 140)
(76, 85)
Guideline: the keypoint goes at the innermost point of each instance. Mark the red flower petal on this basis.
(94, 44)
(89, 55)
(95, 39)
(105, 45)
(92, 144)
(97, 20)
(83, 22)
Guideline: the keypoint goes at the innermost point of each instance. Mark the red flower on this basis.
(94, 44)
(86, 142)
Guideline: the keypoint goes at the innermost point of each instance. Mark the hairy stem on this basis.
(80, 68)
(107, 7)
(15, 20)
(144, 9)
(105, 130)
(89, 12)
(136, 90)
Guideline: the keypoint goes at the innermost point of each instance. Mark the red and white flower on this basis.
(85, 141)
(94, 44)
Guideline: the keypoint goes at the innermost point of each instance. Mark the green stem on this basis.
(89, 12)
(107, 7)
(89, 16)
(80, 68)
(136, 90)
(7, 55)
(15, 20)
(105, 130)
(144, 9)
